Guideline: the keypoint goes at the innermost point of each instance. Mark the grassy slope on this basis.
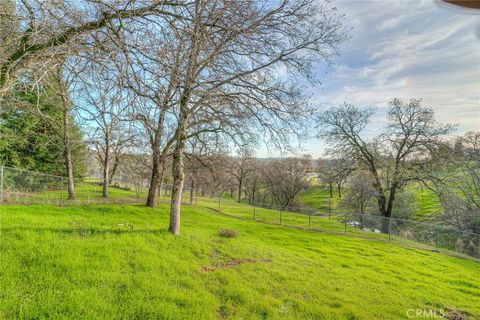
(49, 270)
(428, 203)
(85, 190)
(318, 197)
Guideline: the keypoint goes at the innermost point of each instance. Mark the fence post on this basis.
(61, 193)
(389, 229)
(329, 207)
(1, 184)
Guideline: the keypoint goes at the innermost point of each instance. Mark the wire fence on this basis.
(19, 186)
(406, 232)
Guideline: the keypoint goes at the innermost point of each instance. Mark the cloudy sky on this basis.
(405, 49)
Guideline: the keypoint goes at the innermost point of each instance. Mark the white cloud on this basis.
(417, 50)
(390, 23)
(406, 49)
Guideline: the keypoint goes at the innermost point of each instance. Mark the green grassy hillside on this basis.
(428, 203)
(87, 262)
(318, 197)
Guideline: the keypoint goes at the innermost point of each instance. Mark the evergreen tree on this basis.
(31, 132)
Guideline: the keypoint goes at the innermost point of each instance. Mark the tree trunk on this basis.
(339, 190)
(155, 180)
(381, 195)
(178, 171)
(105, 177)
(160, 179)
(380, 199)
(158, 159)
(114, 169)
(330, 187)
(192, 190)
(387, 211)
(178, 175)
(391, 199)
(239, 190)
(68, 151)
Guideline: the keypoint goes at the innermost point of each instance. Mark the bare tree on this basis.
(233, 52)
(239, 168)
(285, 178)
(213, 178)
(134, 171)
(43, 30)
(401, 150)
(456, 180)
(198, 157)
(104, 111)
(327, 175)
(360, 192)
(254, 181)
(149, 70)
(63, 82)
(343, 167)
(335, 172)
(470, 144)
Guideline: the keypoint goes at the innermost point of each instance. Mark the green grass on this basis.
(412, 234)
(429, 204)
(83, 262)
(318, 197)
(87, 190)
(92, 190)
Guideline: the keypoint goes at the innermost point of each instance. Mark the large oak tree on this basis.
(394, 157)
